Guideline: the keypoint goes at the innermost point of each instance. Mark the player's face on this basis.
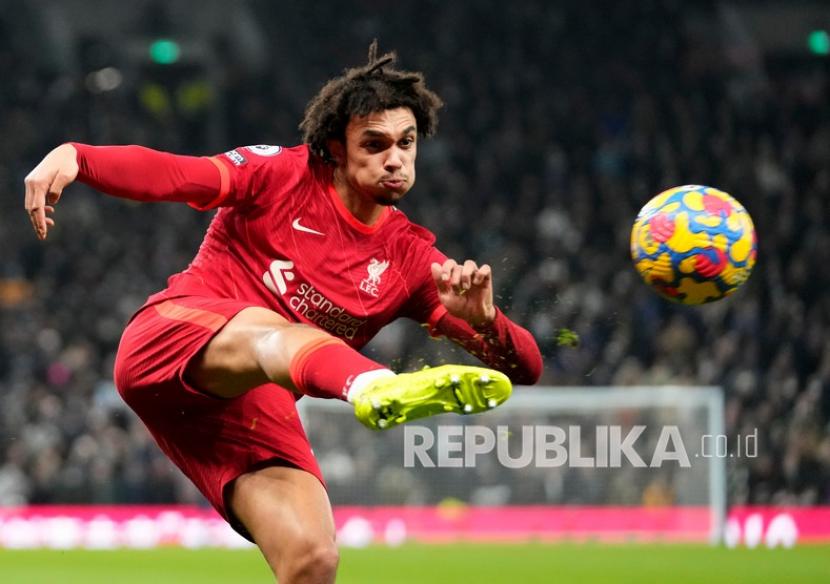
(379, 158)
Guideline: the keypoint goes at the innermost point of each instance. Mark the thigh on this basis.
(254, 347)
(286, 511)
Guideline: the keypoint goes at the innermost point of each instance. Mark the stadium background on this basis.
(562, 119)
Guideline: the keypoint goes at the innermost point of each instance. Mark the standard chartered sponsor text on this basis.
(312, 305)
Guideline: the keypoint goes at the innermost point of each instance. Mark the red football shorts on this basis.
(212, 440)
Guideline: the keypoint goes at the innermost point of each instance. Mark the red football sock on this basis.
(327, 367)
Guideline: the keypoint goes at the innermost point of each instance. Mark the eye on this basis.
(407, 142)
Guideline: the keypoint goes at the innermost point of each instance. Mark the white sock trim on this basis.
(362, 381)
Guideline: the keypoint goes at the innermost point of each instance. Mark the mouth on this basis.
(393, 183)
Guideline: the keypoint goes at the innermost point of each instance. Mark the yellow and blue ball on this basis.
(694, 244)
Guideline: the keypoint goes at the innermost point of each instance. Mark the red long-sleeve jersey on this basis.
(282, 239)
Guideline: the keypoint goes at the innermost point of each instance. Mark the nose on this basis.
(394, 161)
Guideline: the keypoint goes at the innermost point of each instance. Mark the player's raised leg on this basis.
(287, 512)
(258, 346)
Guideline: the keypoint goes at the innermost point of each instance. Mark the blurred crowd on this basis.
(561, 121)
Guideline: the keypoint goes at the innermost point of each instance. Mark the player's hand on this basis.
(45, 184)
(466, 290)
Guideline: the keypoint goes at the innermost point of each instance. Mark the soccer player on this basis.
(305, 260)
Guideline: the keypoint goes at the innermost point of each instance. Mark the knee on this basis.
(312, 562)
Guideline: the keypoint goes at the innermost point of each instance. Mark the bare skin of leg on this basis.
(254, 347)
(287, 511)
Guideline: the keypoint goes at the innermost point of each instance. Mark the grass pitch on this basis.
(435, 564)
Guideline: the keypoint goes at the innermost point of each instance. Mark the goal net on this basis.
(608, 463)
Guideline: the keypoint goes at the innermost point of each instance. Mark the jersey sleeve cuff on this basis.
(224, 187)
(434, 317)
(80, 158)
(492, 326)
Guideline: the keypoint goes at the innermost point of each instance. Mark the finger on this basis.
(38, 217)
(59, 182)
(48, 209)
(455, 279)
(446, 273)
(29, 196)
(482, 275)
(447, 269)
(438, 277)
(467, 272)
(34, 225)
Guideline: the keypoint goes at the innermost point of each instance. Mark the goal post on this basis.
(550, 463)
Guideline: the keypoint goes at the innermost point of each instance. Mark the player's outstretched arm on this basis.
(474, 322)
(130, 172)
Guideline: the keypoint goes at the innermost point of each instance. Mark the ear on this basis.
(337, 150)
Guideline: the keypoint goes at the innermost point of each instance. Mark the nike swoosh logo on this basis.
(296, 225)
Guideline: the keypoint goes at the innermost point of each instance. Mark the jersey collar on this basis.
(351, 219)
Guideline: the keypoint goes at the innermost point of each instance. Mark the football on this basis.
(694, 244)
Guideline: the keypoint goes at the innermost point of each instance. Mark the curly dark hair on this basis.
(360, 91)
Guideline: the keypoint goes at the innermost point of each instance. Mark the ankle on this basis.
(363, 381)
